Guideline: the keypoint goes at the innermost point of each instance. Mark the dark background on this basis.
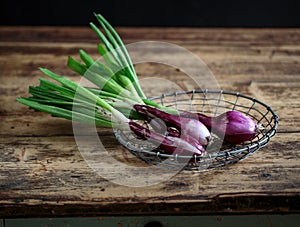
(190, 13)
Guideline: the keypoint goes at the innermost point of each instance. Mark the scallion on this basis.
(118, 99)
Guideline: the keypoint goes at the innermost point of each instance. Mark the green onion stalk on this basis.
(116, 99)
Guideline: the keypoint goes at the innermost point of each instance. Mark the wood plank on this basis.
(274, 94)
(50, 171)
(217, 35)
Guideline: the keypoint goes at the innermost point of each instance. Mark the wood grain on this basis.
(42, 173)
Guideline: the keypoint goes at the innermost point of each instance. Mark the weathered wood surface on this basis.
(43, 174)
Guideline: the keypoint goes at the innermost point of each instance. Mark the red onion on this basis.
(233, 125)
(186, 146)
(187, 126)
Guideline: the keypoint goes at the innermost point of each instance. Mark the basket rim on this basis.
(255, 146)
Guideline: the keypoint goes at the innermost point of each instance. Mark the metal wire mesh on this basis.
(211, 103)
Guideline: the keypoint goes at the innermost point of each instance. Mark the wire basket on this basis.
(218, 153)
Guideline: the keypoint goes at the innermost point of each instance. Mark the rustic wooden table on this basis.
(43, 174)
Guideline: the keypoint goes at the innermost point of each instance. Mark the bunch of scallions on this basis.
(118, 101)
